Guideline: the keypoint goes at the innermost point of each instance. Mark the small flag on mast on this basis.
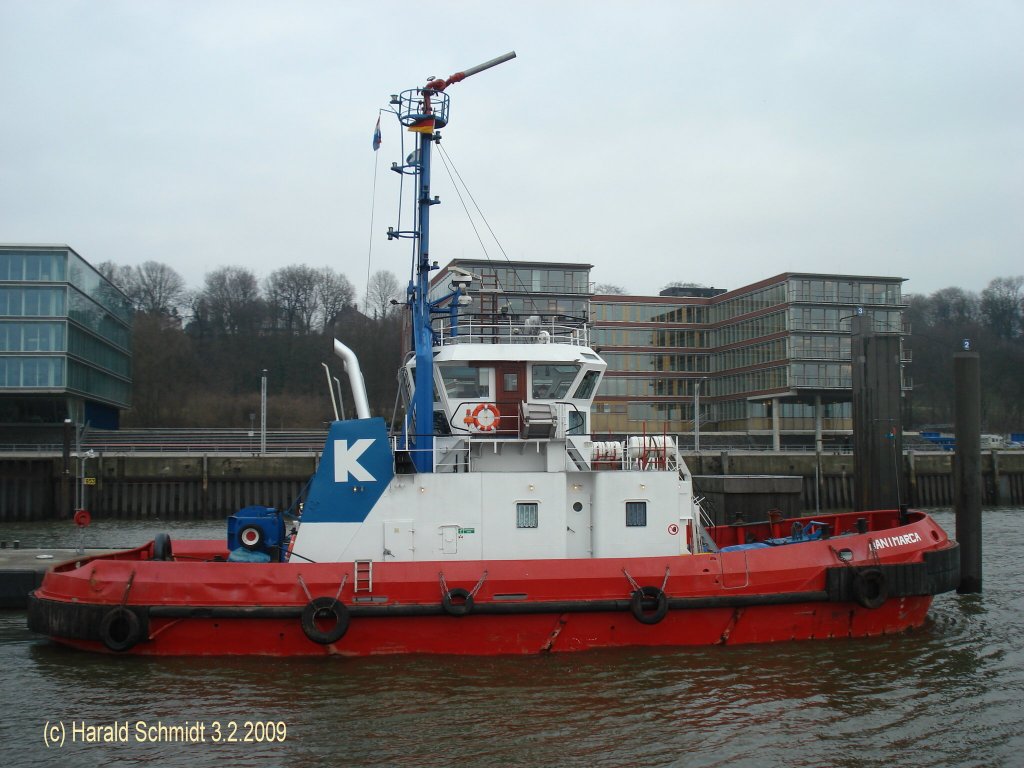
(376, 135)
(423, 125)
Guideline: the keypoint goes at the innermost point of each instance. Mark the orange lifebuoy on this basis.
(82, 518)
(486, 417)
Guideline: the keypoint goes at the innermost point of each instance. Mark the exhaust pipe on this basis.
(355, 379)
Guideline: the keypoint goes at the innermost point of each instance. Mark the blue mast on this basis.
(424, 111)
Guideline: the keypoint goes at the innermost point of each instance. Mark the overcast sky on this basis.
(710, 142)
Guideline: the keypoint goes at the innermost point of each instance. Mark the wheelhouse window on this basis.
(526, 514)
(636, 514)
(586, 388)
(466, 382)
(552, 382)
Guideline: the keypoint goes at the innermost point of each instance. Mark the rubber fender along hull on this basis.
(279, 632)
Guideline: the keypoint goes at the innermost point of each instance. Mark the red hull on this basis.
(537, 633)
(793, 592)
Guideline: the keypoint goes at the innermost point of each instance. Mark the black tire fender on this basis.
(643, 596)
(120, 629)
(325, 608)
(870, 588)
(162, 547)
(453, 608)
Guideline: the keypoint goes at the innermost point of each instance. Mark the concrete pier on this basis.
(22, 570)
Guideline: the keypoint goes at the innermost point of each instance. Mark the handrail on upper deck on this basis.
(512, 329)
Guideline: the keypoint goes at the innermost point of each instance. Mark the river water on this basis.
(948, 695)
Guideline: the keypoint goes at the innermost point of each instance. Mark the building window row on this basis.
(659, 413)
(820, 346)
(618, 312)
(40, 336)
(98, 352)
(32, 302)
(533, 280)
(85, 312)
(513, 307)
(751, 328)
(754, 354)
(646, 362)
(838, 319)
(761, 380)
(647, 337)
(96, 383)
(45, 266)
(762, 298)
(31, 372)
(822, 375)
(89, 282)
(823, 291)
(642, 386)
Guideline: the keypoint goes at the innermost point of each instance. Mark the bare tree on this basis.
(230, 302)
(1001, 306)
(159, 289)
(292, 297)
(335, 293)
(154, 287)
(381, 290)
(609, 289)
(953, 305)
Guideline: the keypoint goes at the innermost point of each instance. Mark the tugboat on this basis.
(492, 523)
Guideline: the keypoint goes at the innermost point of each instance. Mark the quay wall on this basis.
(926, 479)
(215, 485)
(137, 487)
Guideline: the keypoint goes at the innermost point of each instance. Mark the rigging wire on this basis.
(373, 208)
(447, 159)
(414, 261)
(448, 168)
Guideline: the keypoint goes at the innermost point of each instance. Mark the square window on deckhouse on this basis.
(636, 514)
(526, 515)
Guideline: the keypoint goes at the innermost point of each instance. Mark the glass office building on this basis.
(65, 340)
(769, 357)
(521, 288)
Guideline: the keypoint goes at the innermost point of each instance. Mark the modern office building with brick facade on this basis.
(768, 358)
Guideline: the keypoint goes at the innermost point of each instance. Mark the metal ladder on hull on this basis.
(364, 576)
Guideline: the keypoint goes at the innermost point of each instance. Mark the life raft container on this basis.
(485, 417)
